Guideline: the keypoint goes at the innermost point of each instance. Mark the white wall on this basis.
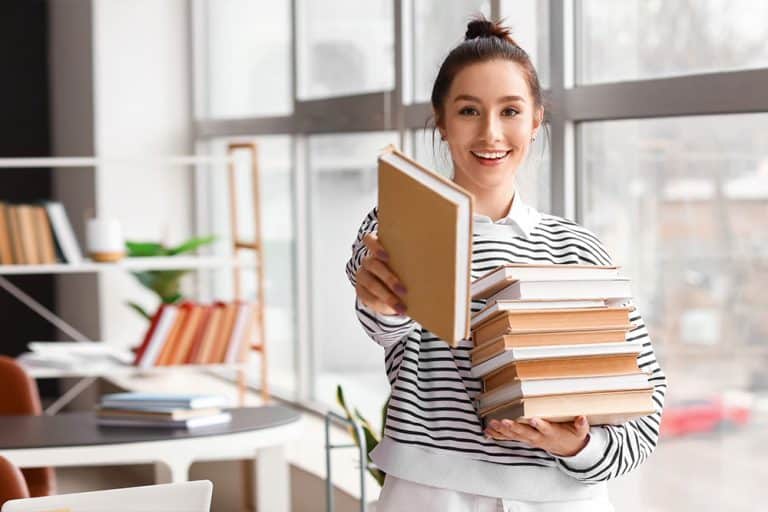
(142, 91)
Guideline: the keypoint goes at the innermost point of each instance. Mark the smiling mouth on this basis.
(490, 156)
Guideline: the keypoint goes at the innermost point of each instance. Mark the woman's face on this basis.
(489, 118)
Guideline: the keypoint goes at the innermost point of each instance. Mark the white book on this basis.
(140, 400)
(615, 289)
(514, 354)
(62, 230)
(491, 282)
(517, 389)
(160, 334)
(496, 307)
(236, 340)
(202, 421)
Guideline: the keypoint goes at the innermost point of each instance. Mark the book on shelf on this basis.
(562, 289)
(494, 308)
(518, 389)
(44, 233)
(552, 320)
(17, 247)
(63, 233)
(192, 333)
(422, 214)
(515, 354)
(607, 408)
(500, 277)
(6, 249)
(501, 343)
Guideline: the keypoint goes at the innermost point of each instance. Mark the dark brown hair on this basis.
(484, 40)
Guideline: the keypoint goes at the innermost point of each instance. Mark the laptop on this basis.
(178, 497)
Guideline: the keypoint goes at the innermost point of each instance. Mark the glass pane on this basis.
(439, 25)
(279, 247)
(248, 53)
(533, 178)
(529, 20)
(342, 192)
(682, 203)
(345, 47)
(640, 39)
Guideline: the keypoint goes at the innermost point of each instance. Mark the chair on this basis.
(20, 397)
(12, 483)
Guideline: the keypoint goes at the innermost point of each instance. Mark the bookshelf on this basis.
(232, 263)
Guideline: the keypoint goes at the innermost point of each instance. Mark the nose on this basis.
(491, 128)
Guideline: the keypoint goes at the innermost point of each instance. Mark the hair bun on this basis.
(481, 27)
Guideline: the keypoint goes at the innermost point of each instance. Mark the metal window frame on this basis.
(390, 111)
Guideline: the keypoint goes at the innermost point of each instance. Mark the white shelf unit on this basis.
(148, 263)
(128, 264)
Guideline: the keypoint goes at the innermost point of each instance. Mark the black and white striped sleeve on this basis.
(386, 330)
(615, 450)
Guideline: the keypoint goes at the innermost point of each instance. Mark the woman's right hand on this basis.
(377, 286)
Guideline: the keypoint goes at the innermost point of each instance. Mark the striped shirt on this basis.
(431, 414)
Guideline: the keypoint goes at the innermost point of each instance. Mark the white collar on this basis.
(521, 216)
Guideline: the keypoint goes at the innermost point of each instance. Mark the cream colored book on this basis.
(425, 224)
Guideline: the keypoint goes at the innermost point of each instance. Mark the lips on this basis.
(490, 157)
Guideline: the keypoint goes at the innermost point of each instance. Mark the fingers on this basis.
(380, 269)
(581, 425)
(371, 241)
(512, 430)
(376, 295)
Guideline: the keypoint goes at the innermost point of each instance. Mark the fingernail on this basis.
(494, 423)
(400, 308)
(400, 289)
(382, 255)
(534, 422)
(508, 423)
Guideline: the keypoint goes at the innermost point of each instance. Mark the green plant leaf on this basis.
(343, 403)
(144, 249)
(191, 245)
(140, 310)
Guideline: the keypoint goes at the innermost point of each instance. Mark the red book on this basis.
(197, 340)
(148, 336)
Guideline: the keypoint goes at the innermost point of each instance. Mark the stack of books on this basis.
(35, 234)
(192, 333)
(162, 410)
(551, 343)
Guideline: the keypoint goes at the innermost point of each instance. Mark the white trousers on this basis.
(402, 495)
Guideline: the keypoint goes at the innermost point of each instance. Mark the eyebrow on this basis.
(503, 99)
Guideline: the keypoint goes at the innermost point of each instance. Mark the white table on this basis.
(74, 439)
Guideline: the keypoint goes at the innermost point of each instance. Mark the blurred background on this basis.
(657, 140)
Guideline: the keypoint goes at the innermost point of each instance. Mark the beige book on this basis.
(501, 343)
(6, 249)
(594, 366)
(425, 224)
(181, 348)
(225, 333)
(552, 320)
(44, 235)
(173, 336)
(208, 342)
(608, 408)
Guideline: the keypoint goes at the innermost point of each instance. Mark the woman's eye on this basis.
(509, 112)
(468, 111)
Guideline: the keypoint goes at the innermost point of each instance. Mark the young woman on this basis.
(488, 109)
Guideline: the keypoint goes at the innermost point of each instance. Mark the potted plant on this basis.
(371, 440)
(166, 284)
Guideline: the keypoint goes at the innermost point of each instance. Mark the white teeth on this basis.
(492, 156)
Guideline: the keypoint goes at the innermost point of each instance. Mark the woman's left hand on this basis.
(560, 439)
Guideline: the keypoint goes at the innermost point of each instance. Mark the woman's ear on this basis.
(538, 118)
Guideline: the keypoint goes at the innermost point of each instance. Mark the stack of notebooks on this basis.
(35, 234)
(551, 343)
(162, 411)
(191, 333)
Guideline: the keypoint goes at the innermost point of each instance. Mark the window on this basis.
(277, 232)
(248, 58)
(529, 20)
(640, 39)
(681, 203)
(342, 191)
(345, 47)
